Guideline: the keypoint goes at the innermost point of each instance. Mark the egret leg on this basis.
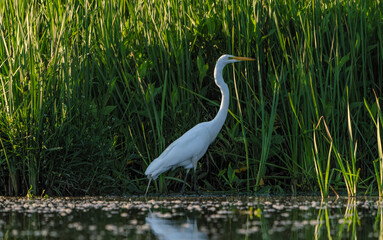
(150, 179)
(183, 185)
(195, 182)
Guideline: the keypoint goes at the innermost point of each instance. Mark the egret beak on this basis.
(243, 58)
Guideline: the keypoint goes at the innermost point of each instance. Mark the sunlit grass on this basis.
(378, 163)
(92, 92)
(323, 175)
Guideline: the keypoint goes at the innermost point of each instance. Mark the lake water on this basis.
(191, 218)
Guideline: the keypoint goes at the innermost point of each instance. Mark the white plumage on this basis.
(187, 150)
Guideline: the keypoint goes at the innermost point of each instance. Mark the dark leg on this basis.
(195, 182)
(183, 185)
(150, 179)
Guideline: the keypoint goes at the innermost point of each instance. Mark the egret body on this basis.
(187, 150)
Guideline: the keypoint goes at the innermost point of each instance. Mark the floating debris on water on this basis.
(190, 217)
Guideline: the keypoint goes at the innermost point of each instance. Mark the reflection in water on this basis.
(379, 220)
(351, 218)
(345, 224)
(222, 218)
(165, 228)
(322, 218)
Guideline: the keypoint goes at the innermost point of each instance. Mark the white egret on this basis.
(187, 150)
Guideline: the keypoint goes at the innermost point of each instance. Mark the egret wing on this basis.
(192, 145)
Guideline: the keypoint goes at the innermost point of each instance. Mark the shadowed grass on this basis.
(92, 92)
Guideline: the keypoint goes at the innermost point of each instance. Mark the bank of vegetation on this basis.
(92, 91)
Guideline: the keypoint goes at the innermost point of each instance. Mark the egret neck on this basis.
(219, 120)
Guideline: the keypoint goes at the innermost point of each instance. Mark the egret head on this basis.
(223, 61)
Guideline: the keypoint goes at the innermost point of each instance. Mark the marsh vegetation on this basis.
(92, 91)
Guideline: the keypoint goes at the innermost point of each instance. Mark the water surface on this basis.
(191, 218)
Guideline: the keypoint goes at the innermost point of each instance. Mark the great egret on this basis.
(187, 150)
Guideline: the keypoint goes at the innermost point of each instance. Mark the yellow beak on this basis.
(243, 58)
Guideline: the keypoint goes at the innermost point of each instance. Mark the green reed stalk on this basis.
(347, 168)
(323, 181)
(378, 163)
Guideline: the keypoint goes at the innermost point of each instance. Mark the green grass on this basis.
(92, 92)
(378, 163)
(322, 173)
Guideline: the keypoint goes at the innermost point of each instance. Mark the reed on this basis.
(322, 173)
(378, 163)
(92, 91)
